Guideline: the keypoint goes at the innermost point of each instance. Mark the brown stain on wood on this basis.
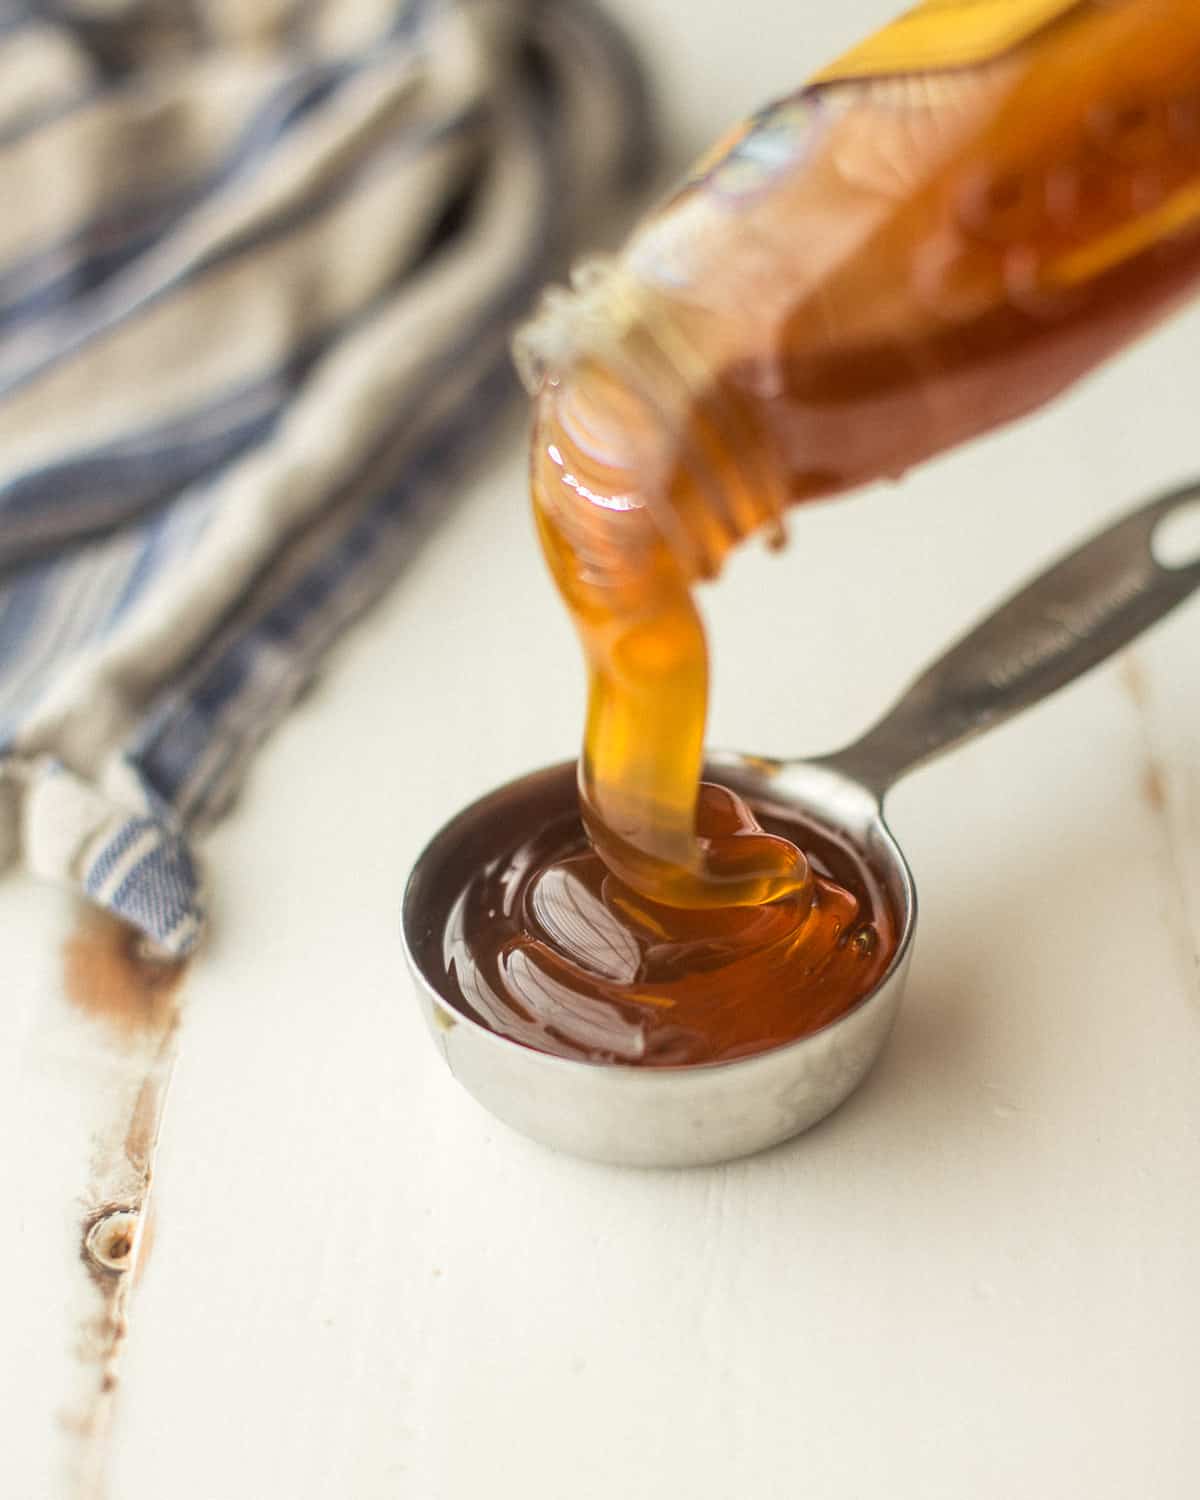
(1154, 787)
(134, 999)
(145, 1247)
(107, 976)
(1133, 679)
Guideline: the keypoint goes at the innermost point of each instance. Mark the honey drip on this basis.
(866, 274)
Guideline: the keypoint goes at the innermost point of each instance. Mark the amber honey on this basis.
(867, 273)
(546, 946)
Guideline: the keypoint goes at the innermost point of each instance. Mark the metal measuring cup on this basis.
(1073, 616)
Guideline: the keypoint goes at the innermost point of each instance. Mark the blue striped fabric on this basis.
(255, 302)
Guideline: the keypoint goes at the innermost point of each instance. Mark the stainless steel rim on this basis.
(723, 762)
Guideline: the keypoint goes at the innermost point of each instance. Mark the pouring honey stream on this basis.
(867, 273)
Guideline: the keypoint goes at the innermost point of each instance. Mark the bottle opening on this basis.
(587, 320)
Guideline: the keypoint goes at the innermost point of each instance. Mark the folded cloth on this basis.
(259, 261)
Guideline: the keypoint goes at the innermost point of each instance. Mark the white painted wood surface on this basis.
(978, 1278)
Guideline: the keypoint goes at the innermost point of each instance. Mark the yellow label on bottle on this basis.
(946, 34)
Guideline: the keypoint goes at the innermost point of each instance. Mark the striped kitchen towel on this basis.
(259, 261)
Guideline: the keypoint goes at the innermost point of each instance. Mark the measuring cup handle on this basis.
(1065, 622)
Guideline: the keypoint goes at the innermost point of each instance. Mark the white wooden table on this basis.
(976, 1279)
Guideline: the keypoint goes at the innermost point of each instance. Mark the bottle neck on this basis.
(699, 442)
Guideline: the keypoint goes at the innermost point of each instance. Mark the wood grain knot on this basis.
(110, 1241)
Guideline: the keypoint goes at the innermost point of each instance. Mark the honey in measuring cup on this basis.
(940, 233)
